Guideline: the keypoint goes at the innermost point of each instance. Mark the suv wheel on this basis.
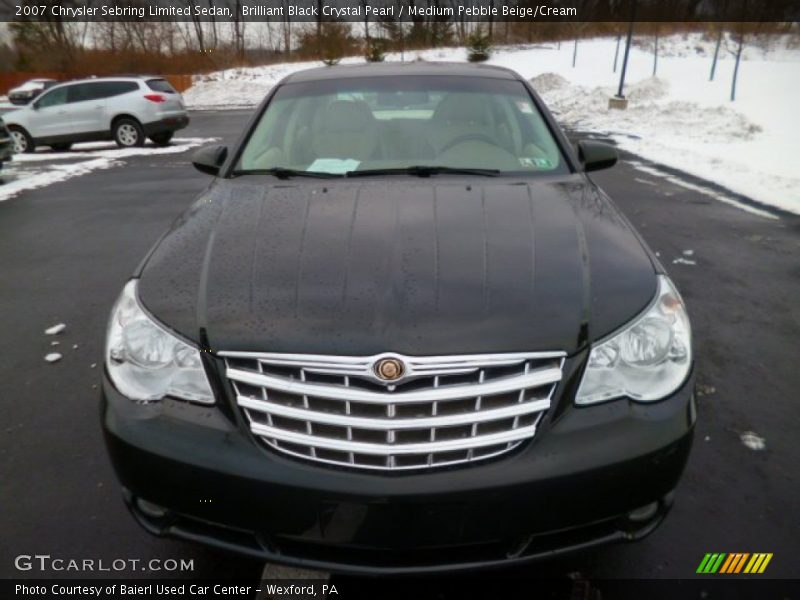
(161, 139)
(128, 133)
(61, 147)
(23, 142)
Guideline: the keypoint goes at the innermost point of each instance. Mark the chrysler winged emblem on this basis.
(389, 369)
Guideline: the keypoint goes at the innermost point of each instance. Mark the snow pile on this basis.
(649, 89)
(651, 113)
(549, 82)
(715, 142)
(679, 118)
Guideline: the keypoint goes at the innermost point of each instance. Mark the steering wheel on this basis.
(468, 137)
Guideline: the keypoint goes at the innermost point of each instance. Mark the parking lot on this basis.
(68, 245)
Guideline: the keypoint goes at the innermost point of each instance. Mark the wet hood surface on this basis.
(416, 266)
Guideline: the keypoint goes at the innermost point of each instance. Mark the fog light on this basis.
(643, 513)
(151, 510)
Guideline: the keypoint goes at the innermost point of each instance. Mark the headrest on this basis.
(346, 116)
(462, 108)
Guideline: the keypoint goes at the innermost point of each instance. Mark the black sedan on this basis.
(29, 90)
(401, 331)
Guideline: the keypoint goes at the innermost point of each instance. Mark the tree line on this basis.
(197, 45)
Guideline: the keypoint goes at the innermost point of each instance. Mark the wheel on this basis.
(128, 133)
(61, 147)
(161, 139)
(23, 142)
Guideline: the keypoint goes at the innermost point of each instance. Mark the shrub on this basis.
(479, 46)
(375, 50)
(330, 45)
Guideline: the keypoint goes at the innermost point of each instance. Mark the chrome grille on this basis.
(439, 411)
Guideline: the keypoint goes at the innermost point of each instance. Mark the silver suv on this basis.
(125, 109)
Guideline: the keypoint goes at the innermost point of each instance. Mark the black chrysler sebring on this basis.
(401, 331)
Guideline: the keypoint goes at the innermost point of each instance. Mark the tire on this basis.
(128, 133)
(61, 147)
(162, 139)
(23, 142)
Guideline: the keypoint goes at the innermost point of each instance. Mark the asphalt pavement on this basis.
(67, 249)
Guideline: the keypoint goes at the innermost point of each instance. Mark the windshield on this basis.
(379, 123)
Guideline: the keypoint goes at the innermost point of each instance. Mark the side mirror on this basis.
(209, 159)
(596, 155)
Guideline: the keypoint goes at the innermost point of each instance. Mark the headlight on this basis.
(648, 359)
(146, 362)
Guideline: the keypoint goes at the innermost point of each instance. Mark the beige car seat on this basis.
(461, 115)
(345, 129)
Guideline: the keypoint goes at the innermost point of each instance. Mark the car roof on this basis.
(111, 78)
(399, 69)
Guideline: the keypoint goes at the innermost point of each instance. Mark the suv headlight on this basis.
(146, 362)
(646, 360)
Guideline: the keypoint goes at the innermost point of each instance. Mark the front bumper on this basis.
(6, 148)
(196, 473)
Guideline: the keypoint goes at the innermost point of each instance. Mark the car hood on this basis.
(415, 266)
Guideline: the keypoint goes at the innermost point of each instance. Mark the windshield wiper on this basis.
(284, 173)
(425, 171)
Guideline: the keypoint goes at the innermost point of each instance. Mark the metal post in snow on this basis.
(575, 52)
(738, 51)
(720, 34)
(736, 66)
(620, 93)
(655, 55)
(716, 55)
(616, 53)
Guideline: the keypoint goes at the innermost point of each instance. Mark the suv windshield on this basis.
(394, 124)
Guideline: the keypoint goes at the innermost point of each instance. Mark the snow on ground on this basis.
(678, 118)
(43, 168)
(726, 198)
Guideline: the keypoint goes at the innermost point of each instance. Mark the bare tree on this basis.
(238, 29)
(50, 40)
(286, 25)
(198, 27)
(364, 4)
